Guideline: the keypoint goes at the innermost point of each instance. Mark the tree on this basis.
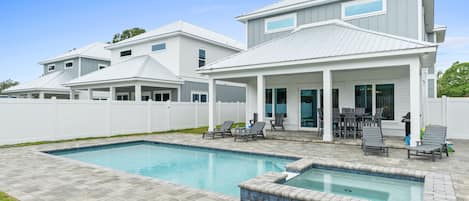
(455, 81)
(126, 34)
(7, 84)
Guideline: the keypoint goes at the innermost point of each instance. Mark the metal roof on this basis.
(95, 51)
(49, 82)
(137, 68)
(328, 39)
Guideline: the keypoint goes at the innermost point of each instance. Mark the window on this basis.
(280, 23)
(158, 47)
(101, 66)
(363, 97)
(385, 100)
(202, 57)
(268, 103)
(162, 96)
(281, 101)
(68, 64)
(122, 97)
(201, 97)
(51, 68)
(335, 98)
(363, 8)
(126, 53)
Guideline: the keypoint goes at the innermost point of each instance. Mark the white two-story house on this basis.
(61, 69)
(161, 64)
(310, 55)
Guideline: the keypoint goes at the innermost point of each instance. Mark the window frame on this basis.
(67, 62)
(129, 50)
(162, 92)
(49, 68)
(203, 59)
(158, 44)
(393, 101)
(199, 93)
(278, 18)
(358, 2)
(397, 94)
(274, 102)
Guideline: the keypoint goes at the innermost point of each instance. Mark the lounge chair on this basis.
(250, 133)
(224, 130)
(372, 140)
(277, 122)
(433, 142)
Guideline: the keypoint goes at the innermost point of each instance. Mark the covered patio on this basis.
(330, 65)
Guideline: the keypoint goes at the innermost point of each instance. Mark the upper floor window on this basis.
(363, 8)
(202, 57)
(51, 68)
(158, 47)
(280, 23)
(68, 64)
(126, 53)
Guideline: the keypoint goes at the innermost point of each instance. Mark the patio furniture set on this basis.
(226, 130)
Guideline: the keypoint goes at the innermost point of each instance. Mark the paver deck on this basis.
(27, 174)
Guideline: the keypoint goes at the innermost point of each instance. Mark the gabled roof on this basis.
(311, 43)
(281, 7)
(49, 82)
(138, 68)
(181, 27)
(93, 51)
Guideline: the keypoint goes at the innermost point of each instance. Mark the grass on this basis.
(200, 131)
(6, 197)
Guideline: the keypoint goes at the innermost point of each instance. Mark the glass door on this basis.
(308, 108)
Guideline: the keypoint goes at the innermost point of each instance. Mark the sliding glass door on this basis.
(308, 108)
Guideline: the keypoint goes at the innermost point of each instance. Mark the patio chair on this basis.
(433, 142)
(350, 125)
(346, 110)
(224, 130)
(277, 122)
(321, 122)
(372, 140)
(250, 133)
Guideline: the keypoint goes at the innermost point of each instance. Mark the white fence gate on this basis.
(27, 120)
(450, 112)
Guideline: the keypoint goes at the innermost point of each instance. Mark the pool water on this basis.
(374, 188)
(207, 169)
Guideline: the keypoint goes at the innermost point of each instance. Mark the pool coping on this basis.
(269, 186)
(436, 187)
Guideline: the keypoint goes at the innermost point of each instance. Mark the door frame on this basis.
(300, 128)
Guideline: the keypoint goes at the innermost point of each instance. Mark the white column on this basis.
(251, 102)
(112, 93)
(72, 94)
(327, 110)
(415, 102)
(138, 92)
(90, 94)
(30, 95)
(260, 97)
(41, 95)
(211, 103)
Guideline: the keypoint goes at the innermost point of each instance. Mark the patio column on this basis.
(41, 95)
(260, 97)
(72, 94)
(211, 103)
(138, 92)
(415, 102)
(90, 94)
(327, 110)
(112, 93)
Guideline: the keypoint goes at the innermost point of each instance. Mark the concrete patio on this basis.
(28, 174)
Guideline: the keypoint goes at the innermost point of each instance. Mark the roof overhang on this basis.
(72, 57)
(283, 9)
(418, 51)
(440, 33)
(122, 80)
(35, 89)
(167, 35)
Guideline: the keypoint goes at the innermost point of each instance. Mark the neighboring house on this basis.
(61, 69)
(304, 55)
(161, 64)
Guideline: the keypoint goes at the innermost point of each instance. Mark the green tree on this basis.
(126, 34)
(454, 82)
(7, 84)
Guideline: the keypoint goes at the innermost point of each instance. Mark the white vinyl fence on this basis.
(450, 112)
(27, 120)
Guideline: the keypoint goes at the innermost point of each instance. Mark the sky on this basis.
(33, 30)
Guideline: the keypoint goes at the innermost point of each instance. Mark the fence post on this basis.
(237, 112)
(168, 115)
(219, 112)
(108, 117)
(196, 114)
(149, 112)
(444, 113)
(56, 119)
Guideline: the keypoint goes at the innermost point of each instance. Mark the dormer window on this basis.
(68, 64)
(126, 53)
(280, 23)
(363, 8)
(51, 68)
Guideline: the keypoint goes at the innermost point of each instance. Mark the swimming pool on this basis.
(208, 169)
(359, 185)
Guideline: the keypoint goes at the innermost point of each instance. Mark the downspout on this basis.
(79, 66)
(420, 19)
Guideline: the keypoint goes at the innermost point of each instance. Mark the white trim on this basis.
(120, 80)
(49, 67)
(102, 65)
(161, 92)
(358, 2)
(200, 93)
(72, 57)
(66, 62)
(278, 18)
